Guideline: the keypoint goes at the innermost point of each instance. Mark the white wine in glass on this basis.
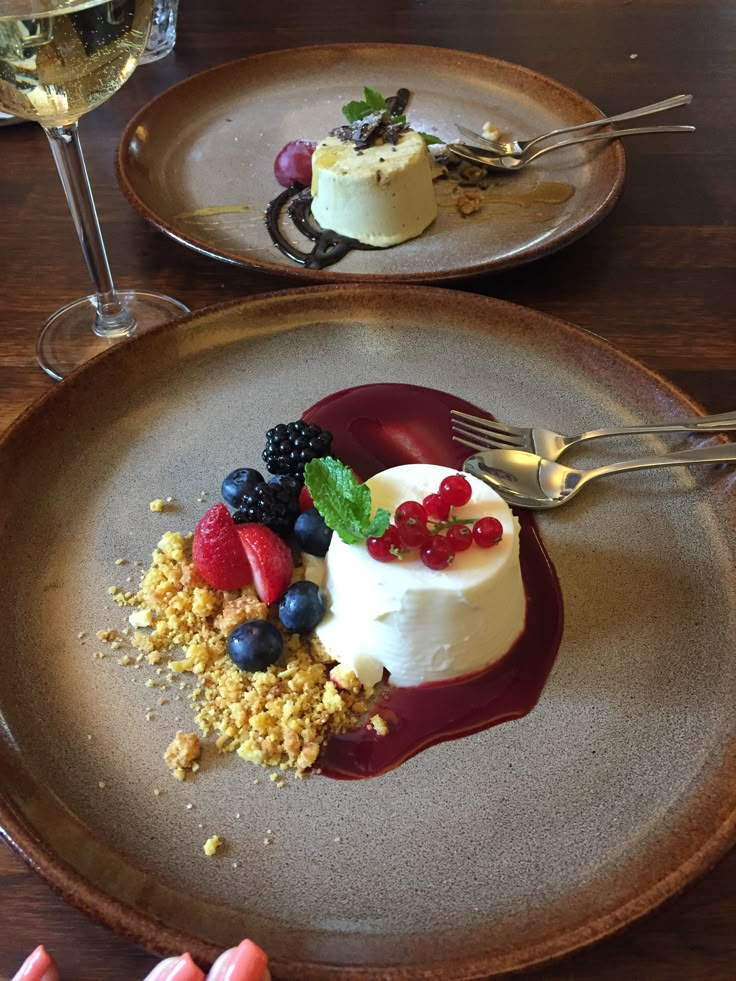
(58, 60)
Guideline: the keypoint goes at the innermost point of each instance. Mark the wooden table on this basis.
(658, 278)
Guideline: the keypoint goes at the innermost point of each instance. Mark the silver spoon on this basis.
(529, 481)
(485, 158)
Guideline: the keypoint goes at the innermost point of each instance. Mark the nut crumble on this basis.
(279, 717)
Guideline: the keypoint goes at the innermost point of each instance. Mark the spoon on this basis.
(529, 481)
(484, 158)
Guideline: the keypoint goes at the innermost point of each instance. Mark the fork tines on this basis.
(482, 433)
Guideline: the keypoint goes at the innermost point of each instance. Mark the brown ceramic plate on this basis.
(198, 160)
(494, 852)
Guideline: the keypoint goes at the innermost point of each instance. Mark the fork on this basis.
(481, 433)
(485, 158)
(516, 147)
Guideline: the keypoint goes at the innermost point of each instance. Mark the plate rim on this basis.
(330, 274)
(154, 934)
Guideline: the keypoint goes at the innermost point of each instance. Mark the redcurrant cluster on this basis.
(432, 528)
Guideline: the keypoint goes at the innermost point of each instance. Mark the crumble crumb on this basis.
(121, 561)
(279, 717)
(211, 845)
(101, 784)
(379, 724)
(182, 753)
(157, 505)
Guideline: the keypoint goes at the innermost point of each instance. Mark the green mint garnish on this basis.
(373, 101)
(344, 503)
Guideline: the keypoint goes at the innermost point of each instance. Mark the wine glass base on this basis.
(68, 338)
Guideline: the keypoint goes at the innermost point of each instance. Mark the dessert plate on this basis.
(491, 853)
(198, 160)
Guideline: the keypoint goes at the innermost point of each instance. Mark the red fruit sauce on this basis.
(375, 427)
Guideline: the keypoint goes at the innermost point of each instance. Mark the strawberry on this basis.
(305, 499)
(270, 560)
(217, 552)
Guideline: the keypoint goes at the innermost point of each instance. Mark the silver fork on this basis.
(482, 434)
(516, 147)
(485, 158)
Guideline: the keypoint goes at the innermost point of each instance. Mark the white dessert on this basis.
(420, 624)
(381, 195)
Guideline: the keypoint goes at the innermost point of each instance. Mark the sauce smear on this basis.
(375, 427)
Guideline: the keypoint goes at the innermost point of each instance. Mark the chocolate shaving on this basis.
(367, 131)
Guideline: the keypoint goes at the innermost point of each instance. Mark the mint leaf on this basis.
(374, 100)
(380, 522)
(343, 502)
(354, 111)
(429, 139)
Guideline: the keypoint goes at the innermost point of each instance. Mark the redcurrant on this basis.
(460, 537)
(487, 532)
(438, 553)
(456, 490)
(413, 533)
(436, 507)
(410, 509)
(385, 548)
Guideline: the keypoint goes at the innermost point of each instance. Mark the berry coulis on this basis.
(375, 427)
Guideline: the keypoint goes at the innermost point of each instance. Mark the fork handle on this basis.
(612, 135)
(722, 453)
(671, 103)
(725, 422)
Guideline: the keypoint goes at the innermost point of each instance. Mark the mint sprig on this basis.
(343, 502)
(373, 101)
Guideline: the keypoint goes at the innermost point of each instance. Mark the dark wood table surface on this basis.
(657, 278)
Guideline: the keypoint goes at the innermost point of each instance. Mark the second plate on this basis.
(198, 160)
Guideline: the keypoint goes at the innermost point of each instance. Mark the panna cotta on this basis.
(380, 195)
(420, 624)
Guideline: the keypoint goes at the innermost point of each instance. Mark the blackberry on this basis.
(275, 505)
(290, 446)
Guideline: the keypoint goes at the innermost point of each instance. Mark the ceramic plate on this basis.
(198, 160)
(486, 854)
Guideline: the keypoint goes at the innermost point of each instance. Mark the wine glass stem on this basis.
(112, 319)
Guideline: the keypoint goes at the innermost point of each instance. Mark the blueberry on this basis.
(302, 606)
(238, 484)
(255, 645)
(312, 532)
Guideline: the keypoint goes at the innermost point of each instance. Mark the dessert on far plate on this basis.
(381, 195)
(370, 183)
(342, 626)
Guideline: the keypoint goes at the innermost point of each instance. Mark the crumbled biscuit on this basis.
(211, 845)
(157, 505)
(279, 717)
(182, 753)
(379, 724)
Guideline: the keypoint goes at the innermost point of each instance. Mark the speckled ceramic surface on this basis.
(489, 853)
(198, 160)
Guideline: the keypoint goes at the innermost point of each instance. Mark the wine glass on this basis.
(59, 59)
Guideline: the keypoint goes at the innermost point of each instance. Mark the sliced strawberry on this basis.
(270, 560)
(217, 552)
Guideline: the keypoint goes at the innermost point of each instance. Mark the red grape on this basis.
(293, 163)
